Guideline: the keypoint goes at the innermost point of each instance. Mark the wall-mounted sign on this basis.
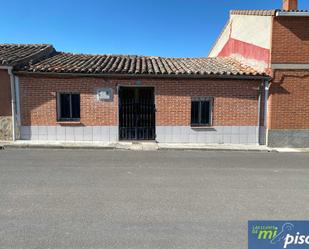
(105, 94)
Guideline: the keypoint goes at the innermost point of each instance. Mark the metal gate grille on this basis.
(136, 113)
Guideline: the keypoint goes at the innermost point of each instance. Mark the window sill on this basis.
(202, 127)
(69, 123)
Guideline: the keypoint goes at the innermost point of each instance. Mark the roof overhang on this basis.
(150, 76)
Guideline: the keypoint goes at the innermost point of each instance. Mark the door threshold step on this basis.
(137, 145)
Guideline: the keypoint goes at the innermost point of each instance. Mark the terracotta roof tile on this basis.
(19, 54)
(144, 65)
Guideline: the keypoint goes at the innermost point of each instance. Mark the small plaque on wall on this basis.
(105, 94)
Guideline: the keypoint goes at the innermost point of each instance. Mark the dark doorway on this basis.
(137, 113)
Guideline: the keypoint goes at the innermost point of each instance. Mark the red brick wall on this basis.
(5, 93)
(289, 100)
(236, 102)
(290, 40)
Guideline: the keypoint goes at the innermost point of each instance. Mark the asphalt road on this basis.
(122, 199)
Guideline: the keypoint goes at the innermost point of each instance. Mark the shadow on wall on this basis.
(298, 26)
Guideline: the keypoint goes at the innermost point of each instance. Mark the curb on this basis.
(218, 149)
(89, 147)
(56, 147)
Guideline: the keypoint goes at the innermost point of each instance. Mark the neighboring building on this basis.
(224, 98)
(14, 56)
(276, 41)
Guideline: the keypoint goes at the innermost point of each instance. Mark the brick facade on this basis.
(288, 119)
(5, 93)
(5, 106)
(290, 40)
(289, 102)
(289, 90)
(235, 101)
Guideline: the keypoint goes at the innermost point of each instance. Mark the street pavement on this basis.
(97, 199)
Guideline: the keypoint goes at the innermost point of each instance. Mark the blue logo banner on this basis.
(278, 234)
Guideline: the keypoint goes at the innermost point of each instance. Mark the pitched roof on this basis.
(140, 65)
(20, 54)
(264, 12)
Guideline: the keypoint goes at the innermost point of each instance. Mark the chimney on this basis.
(290, 4)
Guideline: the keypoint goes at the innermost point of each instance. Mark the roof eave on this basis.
(292, 13)
(161, 76)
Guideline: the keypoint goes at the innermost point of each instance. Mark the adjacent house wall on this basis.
(5, 106)
(281, 43)
(290, 43)
(289, 104)
(235, 109)
(247, 38)
(289, 101)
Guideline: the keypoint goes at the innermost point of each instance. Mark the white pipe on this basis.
(12, 80)
(259, 114)
(17, 105)
(267, 86)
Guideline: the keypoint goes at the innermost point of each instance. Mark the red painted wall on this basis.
(246, 50)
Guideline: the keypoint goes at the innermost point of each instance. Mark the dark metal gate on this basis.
(136, 113)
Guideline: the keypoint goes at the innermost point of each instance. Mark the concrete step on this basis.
(145, 146)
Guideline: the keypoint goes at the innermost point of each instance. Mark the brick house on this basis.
(111, 98)
(252, 89)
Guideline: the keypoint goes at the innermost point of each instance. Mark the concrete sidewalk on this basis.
(143, 146)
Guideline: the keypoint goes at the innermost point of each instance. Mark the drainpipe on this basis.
(12, 80)
(267, 86)
(259, 113)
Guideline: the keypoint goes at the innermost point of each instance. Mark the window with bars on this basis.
(201, 111)
(68, 106)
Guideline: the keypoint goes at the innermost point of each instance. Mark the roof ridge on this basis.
(26, 45)
(130, 55)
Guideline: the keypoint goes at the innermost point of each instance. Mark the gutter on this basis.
(259, 112)
(13, 102)
(292, 13)
(157, 76)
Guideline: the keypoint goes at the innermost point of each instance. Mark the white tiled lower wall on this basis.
(165, 134)
(213, 135)
(70, 133)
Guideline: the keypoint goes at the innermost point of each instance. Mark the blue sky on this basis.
(174, 28)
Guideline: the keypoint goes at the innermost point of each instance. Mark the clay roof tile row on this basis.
(142, 65)
(16, 54)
